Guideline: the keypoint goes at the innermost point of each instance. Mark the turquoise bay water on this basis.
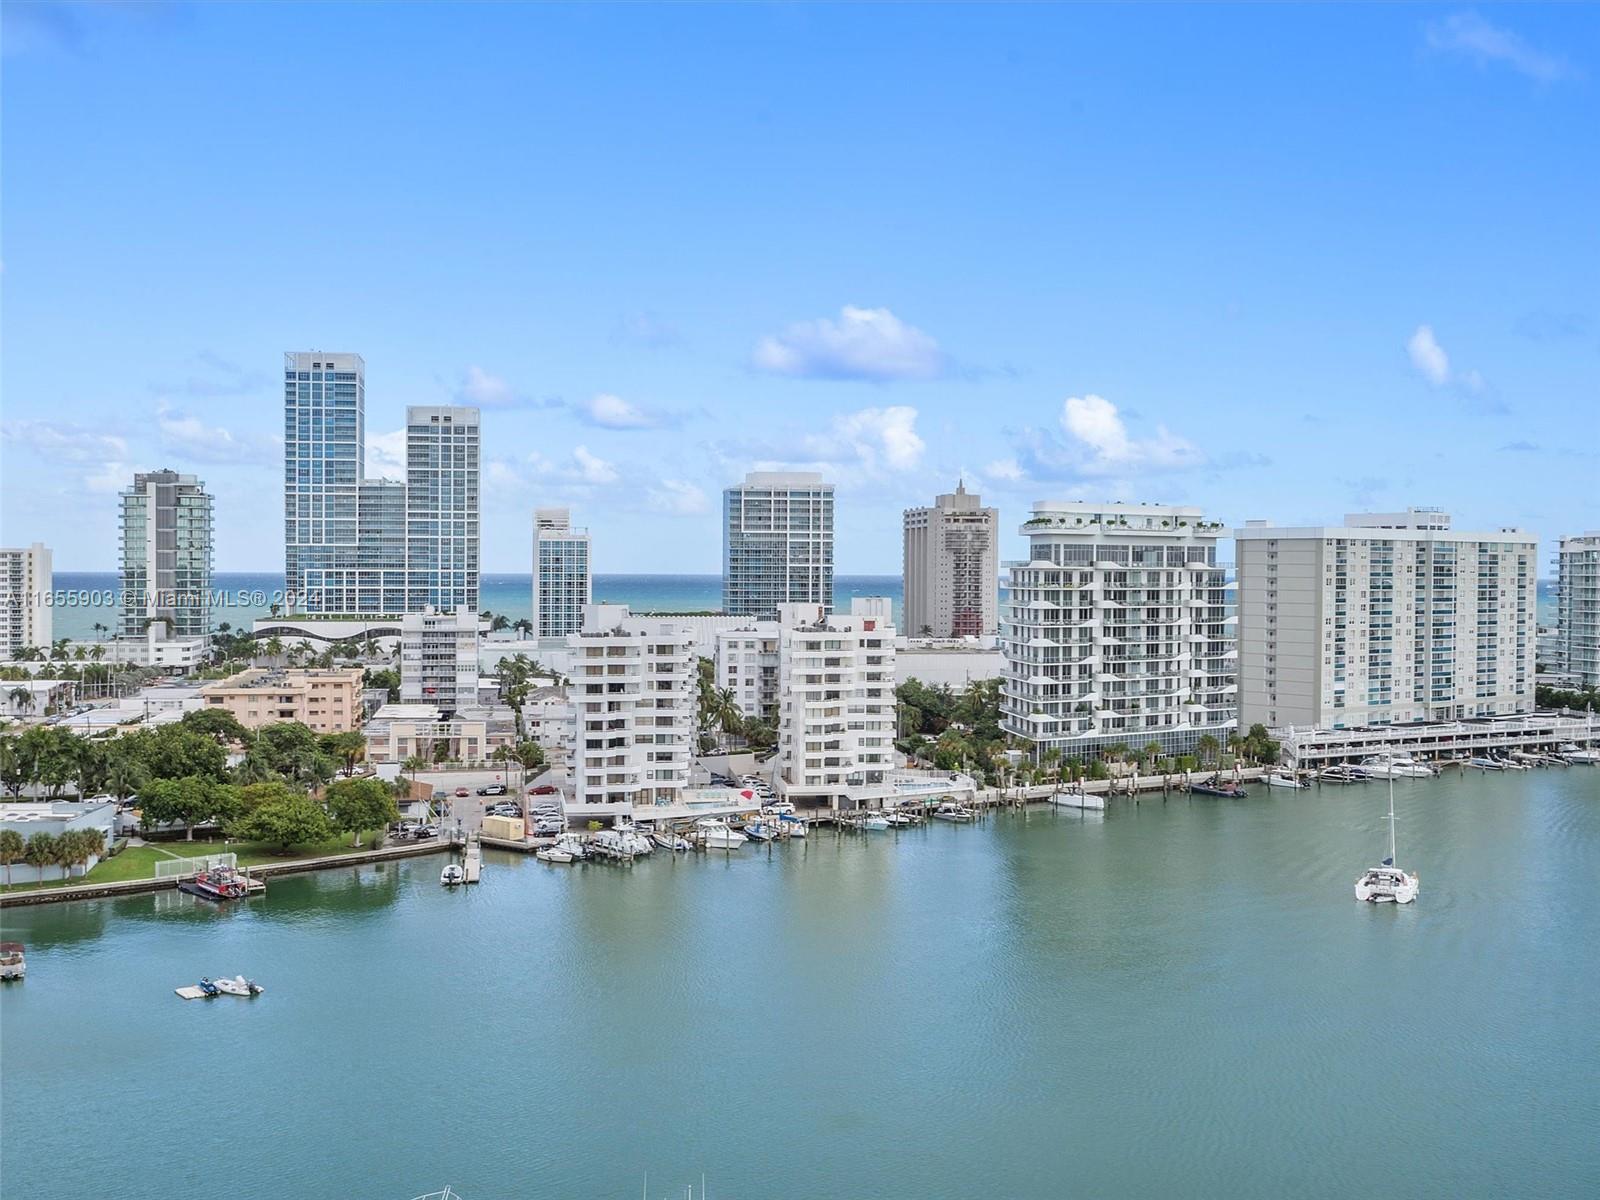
(248, 595)
(1181, 998)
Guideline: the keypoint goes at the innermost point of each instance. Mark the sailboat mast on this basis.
(1391, 821)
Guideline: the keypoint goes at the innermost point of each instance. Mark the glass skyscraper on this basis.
(166, 557)
(358, 545)
(777, 543)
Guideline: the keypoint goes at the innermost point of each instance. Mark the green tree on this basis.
(14, 768)
(217, 723)
(287, 822)
(386, 678)
(173, 752)
(12, 848)
(413, 764)
(22, 700)
(359, 804)
(348, 748)
(190, 801)
(40, 851)
(1207, 748)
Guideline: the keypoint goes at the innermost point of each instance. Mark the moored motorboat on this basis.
(1217, 787)
(1077, 798)
(954, 812)
(713, 833)
(452, 875)
(1395, 766)
(795, 825)
(13, 960)
(1486, 764)
(875, 820)
(215, 883)
(1340, 773)
(759, 831)
(1282, 779)
(553, 854)
(668, 840)
(238, 986)
(207, 988)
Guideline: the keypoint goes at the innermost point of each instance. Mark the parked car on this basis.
(492, 789)
(545, 826)
(461, 791)
(544, 789)
(441, 795)
(428, 831)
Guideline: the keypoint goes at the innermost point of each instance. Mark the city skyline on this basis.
(1162, 277)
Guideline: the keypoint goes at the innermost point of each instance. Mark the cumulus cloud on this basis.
(192, 438)
(1428, 357)
(592, 468)
(678, 498)
(613, 412)
(1007, 470)
(873, 437)
(61, 441)
(864, 343)
(1093, 442)
(1468, 34)
(1430, 361)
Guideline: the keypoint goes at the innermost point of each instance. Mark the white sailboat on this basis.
(1387, 883)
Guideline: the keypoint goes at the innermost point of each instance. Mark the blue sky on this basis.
(1281, 262)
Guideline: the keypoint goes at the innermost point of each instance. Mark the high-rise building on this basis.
(1578, 608)
(1115, 631)
(439, 658)
(952, 567)
(633, 694)
(324, 461)
(777, 543)
(1391, 617)
(442, 456)
(562, 584)
(26, 581)
(166, 558)
(354, 545)
(836, 706)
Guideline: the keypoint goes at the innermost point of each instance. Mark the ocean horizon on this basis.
(92, 595)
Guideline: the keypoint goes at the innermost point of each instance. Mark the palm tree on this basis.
(1207, 748)
(274, 648)
(523, 626)
(100, 630)
(12, 848)
(21, 699)
(413, 764)
(97, 652)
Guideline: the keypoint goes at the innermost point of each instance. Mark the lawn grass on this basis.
(139, 862)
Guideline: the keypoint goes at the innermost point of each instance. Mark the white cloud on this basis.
(1428, 357)
(864, 343)
(1469, 34)
(194, 439)
(64, 442)
(592, 468)
(1007, 469)
(1096, 425)
(485, 390)
(613, 412)
(386, 455)
(870, 437)
(678, 498)
(109, 478)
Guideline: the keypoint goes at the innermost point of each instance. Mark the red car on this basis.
(461, 791)
(544, 789)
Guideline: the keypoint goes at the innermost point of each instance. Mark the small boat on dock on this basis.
(958, 813)
(1283, 779)
(452, 876)
(13, 961)
(668, 840)
(875, 820)
(760, 831)
(1395, 766)
(553, 854)
(1341, 773)
(1486, 764)
(238, 986)
(795, 826)
(216, 883)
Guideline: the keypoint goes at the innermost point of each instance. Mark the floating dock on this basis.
(473, 866)
(190, 993)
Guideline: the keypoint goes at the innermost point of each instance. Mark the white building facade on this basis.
(747, 665)
(836, 706)
(166, 558)
(26, 584)
(443, 453)
(777, 543)
(562, 583)
(1389, 618)
(1578, 608)
(952, 568)
(439, 658)
(632, 693)
(1115, 631)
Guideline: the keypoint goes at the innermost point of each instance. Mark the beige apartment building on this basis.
(1386, 619)
(328, 701)
(952, 567)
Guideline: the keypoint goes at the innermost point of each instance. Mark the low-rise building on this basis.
(468, 736)
(56, 817)
(328, 701)
(36, 697)
(836, 707)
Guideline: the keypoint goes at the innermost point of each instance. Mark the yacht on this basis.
(553, 854)
(633, 842)
(1077, 798)
(1387, 883)
(1589, 758)
(1340, 773)
(238, 986)
(452, 875)
(1395, 766)
(13, 962)
(716, 834)
(1486, 764)
(876, 820)
(1283, 779)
